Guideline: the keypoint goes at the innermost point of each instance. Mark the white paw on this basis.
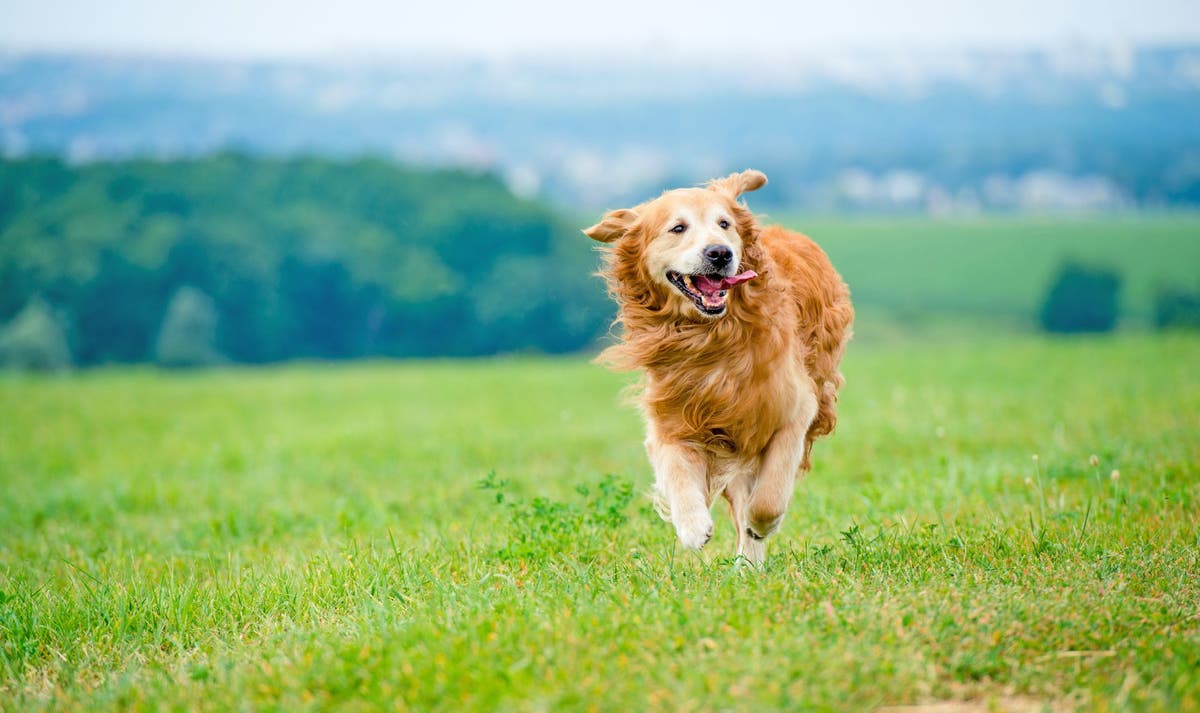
(751, 552)
(694, 528)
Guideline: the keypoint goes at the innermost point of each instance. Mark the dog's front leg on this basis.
(751, 548)
(772, 490)
(679, 479)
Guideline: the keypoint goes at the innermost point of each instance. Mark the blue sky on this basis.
(298, 28)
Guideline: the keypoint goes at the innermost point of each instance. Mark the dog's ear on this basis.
(735, 184)
(615, 224)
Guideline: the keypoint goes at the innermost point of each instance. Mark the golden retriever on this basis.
(739, 331)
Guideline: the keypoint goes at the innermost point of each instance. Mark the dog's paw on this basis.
(751, 552)
(695, 529)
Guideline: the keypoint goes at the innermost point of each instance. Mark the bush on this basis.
(1176, 309)
(35, 340)
(188, 335)
(1081, 299)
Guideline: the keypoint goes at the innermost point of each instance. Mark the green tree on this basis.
(189, 331)
(1081, 299)
(302, 257)
(1176, 309)
(35, 340)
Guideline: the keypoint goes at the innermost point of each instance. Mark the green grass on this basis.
(473, 536)
(997, 269)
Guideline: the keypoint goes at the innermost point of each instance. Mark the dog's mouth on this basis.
(708, 292)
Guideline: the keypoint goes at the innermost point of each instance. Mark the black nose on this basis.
(718, 255)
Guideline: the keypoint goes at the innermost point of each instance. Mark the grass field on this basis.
(997, 270)
(473, 536)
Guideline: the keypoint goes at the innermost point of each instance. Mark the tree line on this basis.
(230, 257)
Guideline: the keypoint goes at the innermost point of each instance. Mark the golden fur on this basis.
(733, 402)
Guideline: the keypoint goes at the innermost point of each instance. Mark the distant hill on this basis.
(1076, 128)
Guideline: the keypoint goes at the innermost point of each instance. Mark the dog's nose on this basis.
(718, 255)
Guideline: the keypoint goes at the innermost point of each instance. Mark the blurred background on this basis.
(198, 183)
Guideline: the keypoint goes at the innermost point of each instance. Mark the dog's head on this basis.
(685, 249)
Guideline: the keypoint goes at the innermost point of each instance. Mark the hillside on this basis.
(314, 258)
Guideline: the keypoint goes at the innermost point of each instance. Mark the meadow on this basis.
(1004, 524)
(908, 272)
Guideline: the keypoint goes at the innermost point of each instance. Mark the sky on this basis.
(499, 28)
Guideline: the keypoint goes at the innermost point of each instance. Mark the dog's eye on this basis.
(723, 223)
(679, 228)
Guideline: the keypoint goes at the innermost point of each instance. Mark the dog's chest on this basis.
(728, 411)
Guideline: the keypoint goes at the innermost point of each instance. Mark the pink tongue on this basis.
(711, 287)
